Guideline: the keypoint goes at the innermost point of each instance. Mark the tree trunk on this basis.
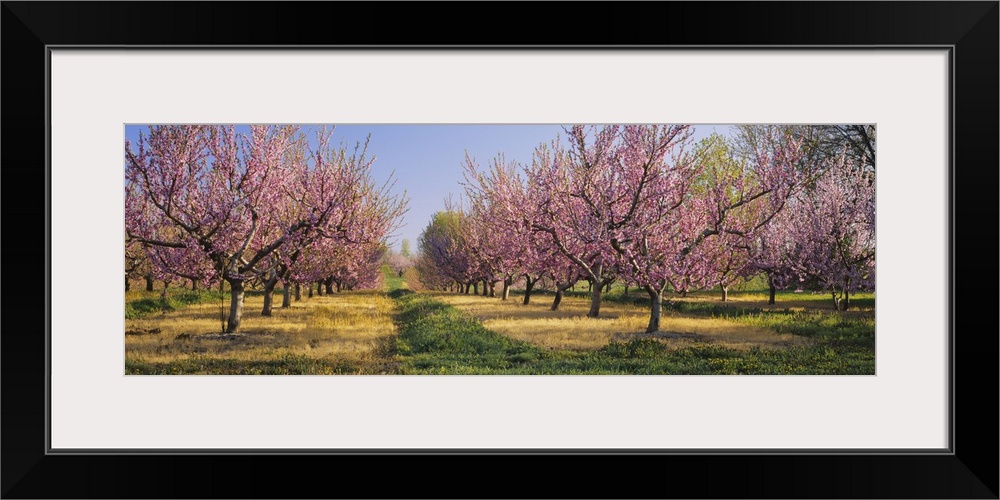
(558, 299)
(596, 286)
(149, 283)
(319, 288)
(486, 289)
(595, 301)
(506, 289)
(771, 289)
(329, 286)
(841, 303)
(528, 285)
(655, 309)
(194, 285)
(268, 296)
(298, 292)
(286, 297)
(725, 292)
(607, 288)
(493, 289)
(467, 288)
(128, 285)
(235, 305)
(310, 291)
(475, 289)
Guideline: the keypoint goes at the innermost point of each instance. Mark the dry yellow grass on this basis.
(800, 302)
(569, 328)
(344, 330)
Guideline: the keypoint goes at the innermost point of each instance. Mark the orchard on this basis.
(598, 249)
(643, 206)
(212, 205)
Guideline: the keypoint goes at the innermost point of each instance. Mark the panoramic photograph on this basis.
(563, 249)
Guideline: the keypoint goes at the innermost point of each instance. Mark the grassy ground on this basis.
(394, 281)
(140, 303)
(569, 328)
(811, 342)
(397, 331)
(332, 334)
(751, 298)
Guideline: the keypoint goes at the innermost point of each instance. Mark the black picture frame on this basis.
(969, 29)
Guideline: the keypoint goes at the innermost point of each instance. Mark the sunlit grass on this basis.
(142, 303)
(784, 299)
(569, 328)
(437, 337)
(446, 333)
(340, 333)
(392, 280)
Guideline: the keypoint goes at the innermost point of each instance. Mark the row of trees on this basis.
(643, 205)
(212, 205)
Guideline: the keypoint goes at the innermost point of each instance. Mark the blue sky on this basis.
(427, 160)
